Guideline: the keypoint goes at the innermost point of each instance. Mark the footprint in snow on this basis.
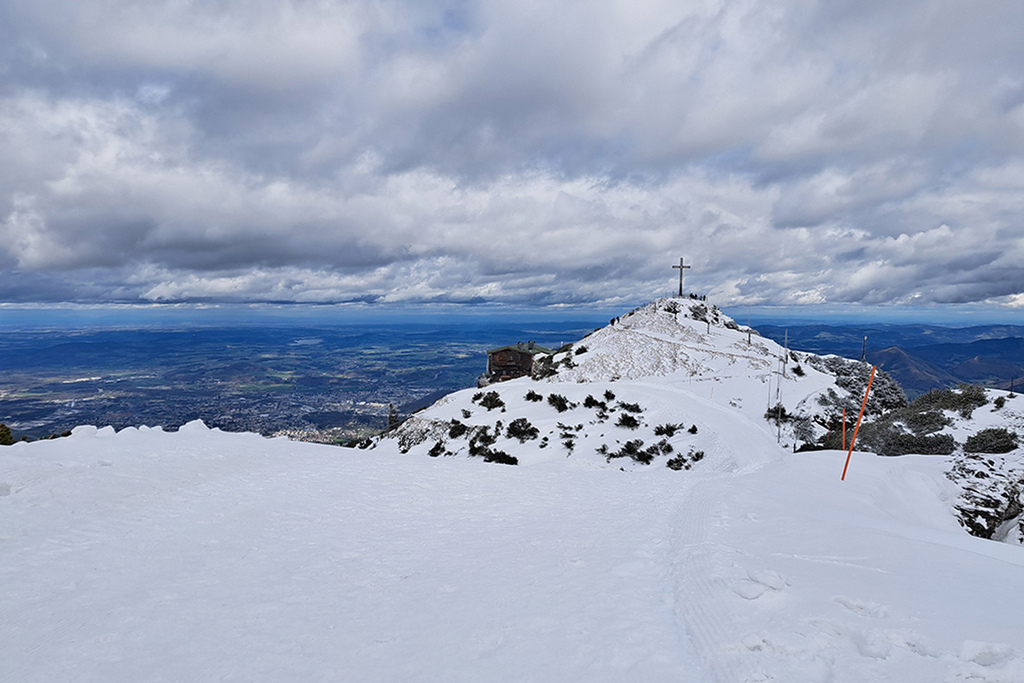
(758, 583)
(865, 608)
(985, 654)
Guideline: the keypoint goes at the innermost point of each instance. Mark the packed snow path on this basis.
(208, 556)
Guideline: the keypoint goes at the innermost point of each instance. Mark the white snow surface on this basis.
(145, 555)
(202, 555)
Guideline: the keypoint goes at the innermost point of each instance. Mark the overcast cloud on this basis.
(795, 152)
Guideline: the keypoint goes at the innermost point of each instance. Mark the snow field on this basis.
(203, 555)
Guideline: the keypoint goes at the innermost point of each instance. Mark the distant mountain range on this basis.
(920, 357)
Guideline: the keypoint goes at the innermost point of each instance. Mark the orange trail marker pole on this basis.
(856, 429)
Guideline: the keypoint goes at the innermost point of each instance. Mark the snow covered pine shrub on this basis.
(520, 428)
(993, 440)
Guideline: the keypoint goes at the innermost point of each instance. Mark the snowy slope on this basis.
(201, 555)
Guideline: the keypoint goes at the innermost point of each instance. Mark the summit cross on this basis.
(681, 268)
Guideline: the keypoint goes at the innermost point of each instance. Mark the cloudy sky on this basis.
(796, 152)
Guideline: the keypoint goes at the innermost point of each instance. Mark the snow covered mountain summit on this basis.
(675, 381)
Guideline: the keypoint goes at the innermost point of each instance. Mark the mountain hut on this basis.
(508, 362)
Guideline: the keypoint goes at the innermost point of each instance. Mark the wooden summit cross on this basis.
(681, 268)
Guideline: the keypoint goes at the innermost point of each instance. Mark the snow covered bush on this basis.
(635, 451)
(456, 429)
(500, 457)
(994, 440)
(903, 443)
(686, 461)
(545, 367)
(559, 402)
(964, 399)
(491, 400)
(520, 428)
(627, 421)
(667, 429)
(852, 376)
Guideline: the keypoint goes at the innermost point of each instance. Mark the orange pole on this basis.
(856, 429)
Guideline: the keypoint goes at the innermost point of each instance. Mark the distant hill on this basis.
(916, 376)
(920, 357)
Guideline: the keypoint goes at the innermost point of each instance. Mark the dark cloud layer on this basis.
(796, 152)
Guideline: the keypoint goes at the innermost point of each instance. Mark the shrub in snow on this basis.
(500, 457)
(886, 393)
(456, 429)
(492, 400)
(436, 450)
(692, 429)
(634, 449)
(591, 402)
(580, 350)
(559, 402)
(778, 413)
(480, 445)
(920, 418)
(964, 399)
(545, 367)
(685, 461)
(608, 395)
(631, 407)
(803, 428)
(627, 421)
(995, 440)
(667, 429)
(798, 371)
(466, 414)
(903, 443)
(6, 438)
(520, 428)
(532, 395)
(998, 403)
